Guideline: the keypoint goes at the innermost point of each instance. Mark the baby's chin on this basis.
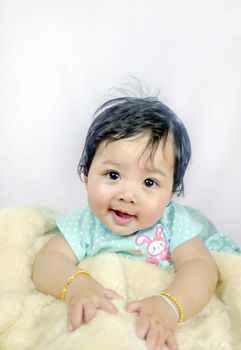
(116, 232)
(119, 230)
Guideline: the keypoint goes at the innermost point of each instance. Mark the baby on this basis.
(133, 163)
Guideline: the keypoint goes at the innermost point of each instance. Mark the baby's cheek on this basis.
(98, 199)
(152, 214)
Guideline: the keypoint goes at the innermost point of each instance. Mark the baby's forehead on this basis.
(148, 153)
(155, 154)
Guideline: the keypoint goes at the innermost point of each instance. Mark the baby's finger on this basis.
(134, 306)
(111, 294)
(171, 343)
(89, 311)
(152, 339)
(74, 316)
(143, 326)
(107, 306)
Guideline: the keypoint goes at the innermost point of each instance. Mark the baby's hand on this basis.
(156, 324)
(84, 296)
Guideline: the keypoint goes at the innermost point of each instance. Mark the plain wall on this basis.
(59, 61)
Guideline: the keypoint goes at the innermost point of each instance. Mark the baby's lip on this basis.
(123, 212)
(121, 217)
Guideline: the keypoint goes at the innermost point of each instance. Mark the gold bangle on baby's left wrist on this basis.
(175, 303)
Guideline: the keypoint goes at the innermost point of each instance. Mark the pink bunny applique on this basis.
(156, 248)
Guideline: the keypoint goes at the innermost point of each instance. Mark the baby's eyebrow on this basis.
(112, 163)
(157, 171)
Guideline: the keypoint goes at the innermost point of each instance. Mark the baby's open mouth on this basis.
(122, 218)
(121, 214)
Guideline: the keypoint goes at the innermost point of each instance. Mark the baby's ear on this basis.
(85, 179)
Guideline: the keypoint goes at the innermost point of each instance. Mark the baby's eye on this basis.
(113, 175)
(150, 183)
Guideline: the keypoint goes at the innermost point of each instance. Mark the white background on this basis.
(58, 61)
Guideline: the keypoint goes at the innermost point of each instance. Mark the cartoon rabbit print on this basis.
(156, 248)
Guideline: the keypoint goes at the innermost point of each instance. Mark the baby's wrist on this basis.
(71, 282)
(174, 304)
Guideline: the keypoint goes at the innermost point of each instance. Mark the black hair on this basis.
(124, 117)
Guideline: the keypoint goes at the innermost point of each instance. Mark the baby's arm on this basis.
(53, 265)
(193, 285)
(196, 276)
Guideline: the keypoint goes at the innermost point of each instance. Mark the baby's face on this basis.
(126, 189)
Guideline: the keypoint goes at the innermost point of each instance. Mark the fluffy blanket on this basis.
(32, 320)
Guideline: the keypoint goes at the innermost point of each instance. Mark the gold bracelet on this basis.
(178, 305)
(70, 279)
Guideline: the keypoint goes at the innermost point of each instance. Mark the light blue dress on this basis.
(87, 236)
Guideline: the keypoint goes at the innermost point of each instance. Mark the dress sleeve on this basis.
(75, 227)
(182, 227)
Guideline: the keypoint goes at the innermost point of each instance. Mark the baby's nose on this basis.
(127, 193)
(127, 197)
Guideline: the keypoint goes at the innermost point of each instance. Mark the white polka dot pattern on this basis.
(87, 236)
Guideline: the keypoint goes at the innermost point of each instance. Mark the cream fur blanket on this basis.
(32, 320)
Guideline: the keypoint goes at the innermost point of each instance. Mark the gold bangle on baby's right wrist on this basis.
(70, 279)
